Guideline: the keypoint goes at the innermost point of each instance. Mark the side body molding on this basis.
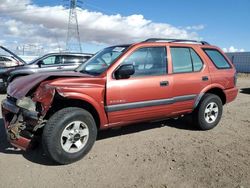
(127, 106)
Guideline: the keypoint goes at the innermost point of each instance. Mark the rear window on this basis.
(217, 58)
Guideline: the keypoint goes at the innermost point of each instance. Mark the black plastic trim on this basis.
(175, 40)
(127, 106)
(10, 106)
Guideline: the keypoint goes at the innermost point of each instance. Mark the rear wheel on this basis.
(69, 135)
(209, 112)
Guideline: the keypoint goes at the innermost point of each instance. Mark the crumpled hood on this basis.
(21, 86)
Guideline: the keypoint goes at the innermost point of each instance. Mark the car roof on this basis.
(185, 41)
(169, 41)
(69, 53)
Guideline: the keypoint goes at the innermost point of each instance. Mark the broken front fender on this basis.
(44, 95)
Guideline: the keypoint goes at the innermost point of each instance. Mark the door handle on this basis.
(205, 78)
(164, 83)
(60, 67)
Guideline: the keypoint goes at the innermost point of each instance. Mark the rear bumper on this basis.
(231, 94)
(13, 118)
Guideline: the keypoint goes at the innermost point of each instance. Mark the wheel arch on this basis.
(219, 92)
(216, 90)
(61, 102)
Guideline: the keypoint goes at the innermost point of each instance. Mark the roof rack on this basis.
(176, 40)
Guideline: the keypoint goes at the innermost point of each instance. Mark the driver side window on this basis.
(51, 60)
(149, 61)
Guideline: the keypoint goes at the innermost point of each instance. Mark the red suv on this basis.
(120, 85)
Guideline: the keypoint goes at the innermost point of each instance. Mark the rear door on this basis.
(71, 62)
(146, 94)
(190, 76)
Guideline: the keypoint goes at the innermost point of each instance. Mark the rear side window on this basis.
(70, 59)
(217, 58)
(75, 59)
(185, 60)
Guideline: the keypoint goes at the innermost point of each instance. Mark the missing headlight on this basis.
(26, 103)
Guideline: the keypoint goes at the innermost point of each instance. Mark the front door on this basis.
(51, 64)
(146, 94)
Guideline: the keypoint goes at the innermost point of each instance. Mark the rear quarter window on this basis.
(217, 58)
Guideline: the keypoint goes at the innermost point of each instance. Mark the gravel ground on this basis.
(164, 154)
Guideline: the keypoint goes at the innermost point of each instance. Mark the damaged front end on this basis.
(23, 117)
(29, 103)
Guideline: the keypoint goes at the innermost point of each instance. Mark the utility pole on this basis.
(73, 43)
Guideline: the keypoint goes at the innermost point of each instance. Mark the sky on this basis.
(43, 23)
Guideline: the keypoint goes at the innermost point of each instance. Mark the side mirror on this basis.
(125, 71)
(40, 63)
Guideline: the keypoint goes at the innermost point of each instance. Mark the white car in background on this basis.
(8, 61)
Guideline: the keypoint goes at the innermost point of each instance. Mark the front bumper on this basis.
(17, 123)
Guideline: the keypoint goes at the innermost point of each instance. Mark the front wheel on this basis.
(69, 135)
(208, 113)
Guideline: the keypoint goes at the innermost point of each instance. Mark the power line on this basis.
(98, 8)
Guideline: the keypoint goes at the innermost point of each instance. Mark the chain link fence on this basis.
(241, 60)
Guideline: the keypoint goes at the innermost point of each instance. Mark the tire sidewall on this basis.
(54, 147)
(203, 124)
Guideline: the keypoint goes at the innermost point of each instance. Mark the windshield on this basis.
(102, 60)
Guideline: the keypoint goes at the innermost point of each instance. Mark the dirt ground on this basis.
(171, 153)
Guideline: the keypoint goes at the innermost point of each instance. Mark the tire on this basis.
(205, 116)
(64, 122)
(3, 90)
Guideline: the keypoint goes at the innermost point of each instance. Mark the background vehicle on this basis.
(52, 62)
(6, 61)
(120, 85)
